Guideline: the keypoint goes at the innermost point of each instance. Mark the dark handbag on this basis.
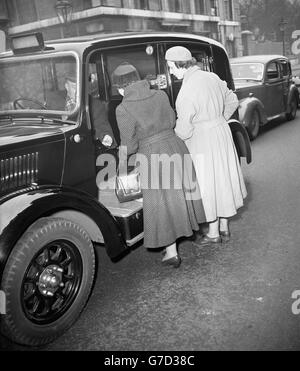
(128, 187)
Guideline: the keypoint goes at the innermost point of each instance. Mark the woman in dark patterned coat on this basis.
(146, 121)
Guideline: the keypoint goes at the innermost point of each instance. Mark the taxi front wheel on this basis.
(47, 281)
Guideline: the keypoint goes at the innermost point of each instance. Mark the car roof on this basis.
(257, 58)
(80, 43)
(131, 35)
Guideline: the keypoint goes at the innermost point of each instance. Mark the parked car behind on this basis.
(265, 88)
(296, 81)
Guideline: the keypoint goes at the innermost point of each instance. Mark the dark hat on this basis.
(124, 75)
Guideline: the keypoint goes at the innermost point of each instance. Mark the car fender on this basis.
(241, 139)
(246, 108)
(21, 209)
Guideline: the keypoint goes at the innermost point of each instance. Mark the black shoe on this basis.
(205, 240)
(225, 236)
(175, 261)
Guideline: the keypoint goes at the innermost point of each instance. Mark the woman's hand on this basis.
(107, 141)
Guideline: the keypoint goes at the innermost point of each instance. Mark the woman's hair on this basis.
(124, 75)
(186, 64)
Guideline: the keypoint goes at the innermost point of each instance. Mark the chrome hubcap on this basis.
(50, 280)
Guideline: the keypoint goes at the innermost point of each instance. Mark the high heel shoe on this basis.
(205, 240)
(175, 261)
(225, 236)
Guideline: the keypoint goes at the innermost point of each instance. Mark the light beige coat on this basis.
(204, 105)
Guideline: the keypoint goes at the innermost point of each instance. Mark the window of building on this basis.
(155, 4)
(186, 7)
(141, 4)
(79, 5)
(46, 9)
(213, 8)
(87, 4)
(26, 11)
(3, 10)
(199, 7)
(147, 4)
(228, 10)
(115, 3)
(12, 13)
(175, 6)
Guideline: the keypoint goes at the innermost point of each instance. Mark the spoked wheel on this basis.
(293, 109)
(254, 125)
(51, 282)
(47, 281)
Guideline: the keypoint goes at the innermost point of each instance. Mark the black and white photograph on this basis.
(149, 178)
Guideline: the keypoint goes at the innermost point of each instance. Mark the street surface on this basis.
(236, 296)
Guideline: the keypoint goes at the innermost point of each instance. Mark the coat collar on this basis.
(190, 72)
(139, 90)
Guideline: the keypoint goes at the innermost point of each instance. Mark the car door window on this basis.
(98, 109)
(285, 68)
(221, 66)
(273, 71)
(142, 57)
(273, 96)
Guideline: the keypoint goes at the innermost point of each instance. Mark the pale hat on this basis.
(178, 54)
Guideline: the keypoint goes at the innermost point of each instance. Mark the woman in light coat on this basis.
(204, 105)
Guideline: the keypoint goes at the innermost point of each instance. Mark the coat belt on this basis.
(162, 135)
(209, 124)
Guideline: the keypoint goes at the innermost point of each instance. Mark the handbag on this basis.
(128, 187)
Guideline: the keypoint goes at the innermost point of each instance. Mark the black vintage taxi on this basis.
(265, 88)
(52, 213)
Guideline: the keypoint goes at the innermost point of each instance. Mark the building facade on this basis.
(219, 19)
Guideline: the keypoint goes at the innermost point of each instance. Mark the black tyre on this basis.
(293, 109)
(47, 281)
(254, 125)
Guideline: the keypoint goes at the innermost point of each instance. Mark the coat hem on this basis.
(172, 241)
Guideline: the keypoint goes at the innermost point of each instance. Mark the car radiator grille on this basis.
(18, 171)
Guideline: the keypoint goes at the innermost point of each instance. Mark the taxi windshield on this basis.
(247, 71)
(39, 84)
